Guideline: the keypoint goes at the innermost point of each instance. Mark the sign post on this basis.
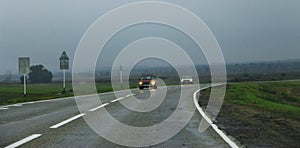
(64, 65)
(24, 63)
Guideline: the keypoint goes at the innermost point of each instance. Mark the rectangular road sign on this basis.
(64, 61)
(64, 65)
(24, 65)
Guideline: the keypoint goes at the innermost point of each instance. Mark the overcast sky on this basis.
(247, 31)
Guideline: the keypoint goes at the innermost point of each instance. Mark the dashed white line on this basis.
(129, 95)
(118, 99)
(91, 110)
(67, 121)
(34, 136)
(27, 139)
(121, 98)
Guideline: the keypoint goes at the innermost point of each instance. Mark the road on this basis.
(58, 122)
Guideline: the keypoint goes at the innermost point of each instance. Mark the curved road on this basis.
(58, 123)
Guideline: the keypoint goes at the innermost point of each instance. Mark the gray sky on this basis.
(247, 31)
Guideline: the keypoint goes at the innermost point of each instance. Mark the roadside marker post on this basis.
(24, 69)
(24, 81)
(121, 76)
(64, 65)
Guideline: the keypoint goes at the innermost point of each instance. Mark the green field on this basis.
(260, 114)
(280, 98)
(13, 93)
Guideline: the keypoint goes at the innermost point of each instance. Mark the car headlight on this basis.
(152, 82)
(191, 80)
(140, 83)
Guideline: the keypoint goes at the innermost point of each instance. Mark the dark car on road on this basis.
(147, 81)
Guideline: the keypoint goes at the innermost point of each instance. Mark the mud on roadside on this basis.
(255, 127)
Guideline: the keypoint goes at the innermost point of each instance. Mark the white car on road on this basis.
(186, 80)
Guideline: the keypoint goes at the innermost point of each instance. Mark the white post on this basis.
(24, 79)
(121, 77)
(64, 81)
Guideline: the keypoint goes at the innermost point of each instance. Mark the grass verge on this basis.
(261, 114)
(13, 93)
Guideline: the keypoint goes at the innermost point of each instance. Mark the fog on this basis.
(247, 31)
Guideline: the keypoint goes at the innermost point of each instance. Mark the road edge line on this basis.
(214, 126)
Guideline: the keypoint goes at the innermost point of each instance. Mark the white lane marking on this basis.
(67, 121)
(112, 101)
(57, 99)
(72, 97)
(91, 110)
(129, 95)
(27, 139)
(214, 126)
(27, 103)
(3, 108)
(16, 105)
(121, 98)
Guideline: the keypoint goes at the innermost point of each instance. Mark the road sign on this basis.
(24, 65)
(64, 65)
(24, 69)
(64, 61)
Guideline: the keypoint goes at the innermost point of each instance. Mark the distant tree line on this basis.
(260, 71)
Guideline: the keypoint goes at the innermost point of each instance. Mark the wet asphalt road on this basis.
(19, 122)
